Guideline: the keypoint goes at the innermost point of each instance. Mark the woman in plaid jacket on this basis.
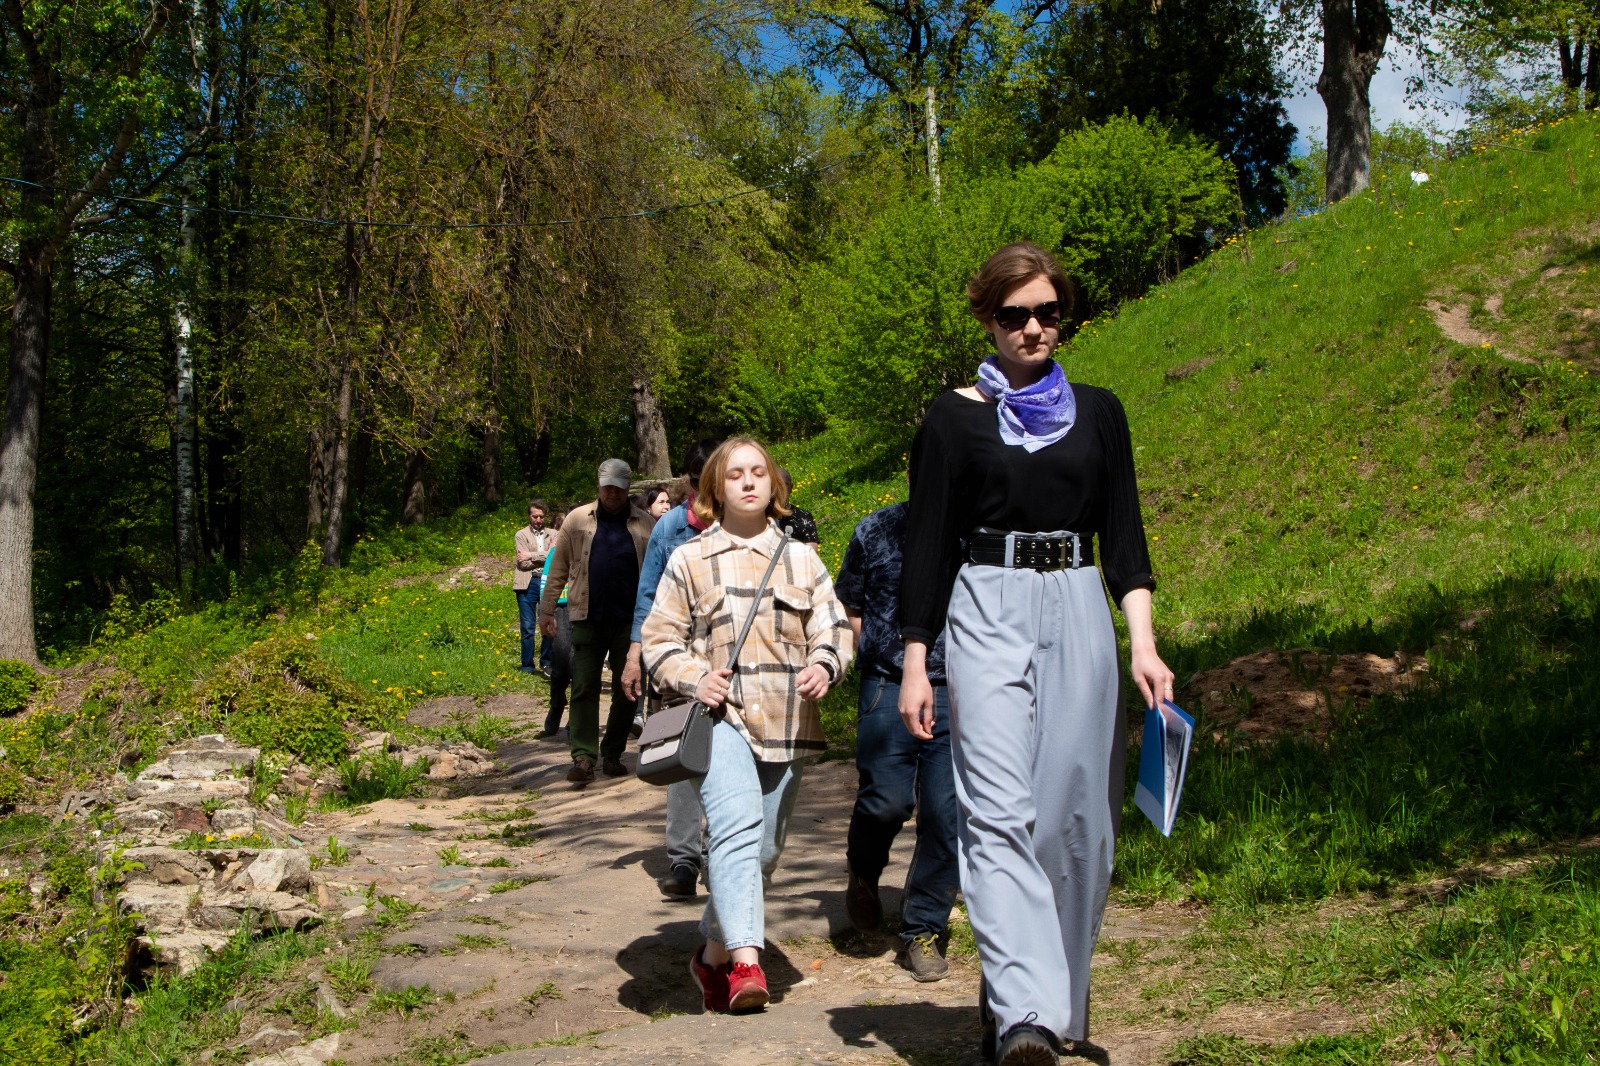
(798, 647)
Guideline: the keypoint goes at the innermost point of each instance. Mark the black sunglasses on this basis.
(1013, 317)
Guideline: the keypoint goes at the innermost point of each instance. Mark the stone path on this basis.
(583, 961)
(541, 938)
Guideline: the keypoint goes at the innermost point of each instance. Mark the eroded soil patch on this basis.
(1295, 693)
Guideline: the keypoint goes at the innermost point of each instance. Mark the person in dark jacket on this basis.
(596, 562)
(898, 772)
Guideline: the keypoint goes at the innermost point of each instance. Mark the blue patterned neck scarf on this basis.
(1035, 416)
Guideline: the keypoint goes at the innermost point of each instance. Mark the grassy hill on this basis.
(1306, 433)
(1323, 465)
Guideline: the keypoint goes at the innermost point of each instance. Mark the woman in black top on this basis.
(1019, 481)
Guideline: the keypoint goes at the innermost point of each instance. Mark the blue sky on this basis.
(1305, 107)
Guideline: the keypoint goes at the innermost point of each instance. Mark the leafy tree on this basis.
(907, 54)
(884, 327)
(1528, 45)
(1136, 201)
(1353, 35)
(75, 81)
(1203, 65)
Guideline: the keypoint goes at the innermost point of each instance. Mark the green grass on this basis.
(380, 776)
(350, 974)
(1320, 467)
(1503, 972)
(177, 1019)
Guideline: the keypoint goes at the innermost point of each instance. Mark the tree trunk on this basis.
(541, 452)
(317, 482)
(414, 496)
(492, 494)
(1591, 79)
(1354, 34)
(185, 507)
(649, 431)
(19, 447)
(1571, 53)
(225, 492)
(339, 472)
(930, 133)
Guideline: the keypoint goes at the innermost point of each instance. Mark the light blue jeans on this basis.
(747, 804)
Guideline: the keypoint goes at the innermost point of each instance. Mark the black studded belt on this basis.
(1030, 551)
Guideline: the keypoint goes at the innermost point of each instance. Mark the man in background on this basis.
(597, 561)
(533, 543)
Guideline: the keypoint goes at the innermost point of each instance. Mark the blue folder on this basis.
(1163, 758)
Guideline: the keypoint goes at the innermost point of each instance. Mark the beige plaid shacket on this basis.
(704, 596)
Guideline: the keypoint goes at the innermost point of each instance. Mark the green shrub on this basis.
(899, 332)
(282, 695)
(18, 682)
(1135, 201)
(881, 329)
(369, 778)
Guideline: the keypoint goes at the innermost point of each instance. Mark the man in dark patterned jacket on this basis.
(897, 771)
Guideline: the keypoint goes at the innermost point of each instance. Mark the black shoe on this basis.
(989, 1037)
(613, 767)
(861, 903)
(547, 734)
(1026, 1044)
(681, 882)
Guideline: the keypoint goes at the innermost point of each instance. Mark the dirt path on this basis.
(582, 961)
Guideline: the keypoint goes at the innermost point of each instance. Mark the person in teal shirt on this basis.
(560, 652)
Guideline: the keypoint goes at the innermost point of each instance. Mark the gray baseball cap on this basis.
(615, 472)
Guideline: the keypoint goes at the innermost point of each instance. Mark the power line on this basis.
(167, 205)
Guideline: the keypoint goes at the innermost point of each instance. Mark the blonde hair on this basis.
(708, 503)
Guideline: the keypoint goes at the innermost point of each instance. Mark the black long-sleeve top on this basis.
(964, 476)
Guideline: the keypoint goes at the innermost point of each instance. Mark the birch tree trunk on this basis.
(1354, 34)
(930, 133)
(185, 509)
(316, 482)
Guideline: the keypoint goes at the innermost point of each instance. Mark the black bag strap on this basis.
(749, 619)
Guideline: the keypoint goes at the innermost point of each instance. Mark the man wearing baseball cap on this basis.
(597, 561)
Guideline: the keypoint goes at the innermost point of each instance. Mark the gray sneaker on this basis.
(922, 957)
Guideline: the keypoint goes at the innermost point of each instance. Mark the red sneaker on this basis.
(711, 980)
(747, 987)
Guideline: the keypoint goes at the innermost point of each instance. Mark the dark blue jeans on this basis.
(899, 774)
(528, 617)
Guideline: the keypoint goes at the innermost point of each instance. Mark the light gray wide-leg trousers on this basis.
(1037, 740)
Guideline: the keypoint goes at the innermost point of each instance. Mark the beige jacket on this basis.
(704, 597)
(523, 573)
(569, 562)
